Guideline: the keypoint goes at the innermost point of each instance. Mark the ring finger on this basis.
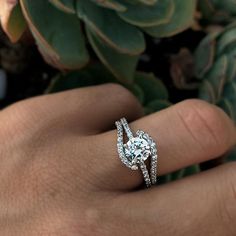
(187, 133)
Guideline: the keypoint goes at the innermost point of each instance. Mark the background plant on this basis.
(114, 28)
(218, 11)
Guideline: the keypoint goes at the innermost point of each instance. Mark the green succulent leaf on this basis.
(204, 55)
(153, 88)
(228, 107)
(154, 96)
(115, 29)
(231, 70)
(206, 7)
(219, 76)
(228, 5)
(148, 2)
(226, 40)
(93, 74)
(70, 80)
(210, 12)
(191, 170)
(97, 74)
(118, 34)
(206, 92)
(157, 105)
(145, 2)
(218, 11)
(181, 20)
(232, 155)
(67, 6)
(229, 98)
(138, 92)
(230, 92)
(12, 20)
(111, 4)
(121, 65)
(179, 174)
(65, 48)
(146, 16)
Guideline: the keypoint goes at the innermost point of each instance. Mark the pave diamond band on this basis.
(137, 150)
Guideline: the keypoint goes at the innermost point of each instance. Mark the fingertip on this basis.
(203, 115)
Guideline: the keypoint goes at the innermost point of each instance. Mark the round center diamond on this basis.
(137, 149)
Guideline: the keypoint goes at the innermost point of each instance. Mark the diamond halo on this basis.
(137, 150)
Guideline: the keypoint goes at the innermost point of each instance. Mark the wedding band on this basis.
(139, 148)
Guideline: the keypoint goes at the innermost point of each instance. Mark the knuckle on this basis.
(209, 125)
(25, 110)
(25, 117)
(124, 97)
(113, 87)
(122, 93)
(16, 120)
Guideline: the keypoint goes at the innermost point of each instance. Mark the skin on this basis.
(60, 173)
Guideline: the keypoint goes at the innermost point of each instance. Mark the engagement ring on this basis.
(139, 148)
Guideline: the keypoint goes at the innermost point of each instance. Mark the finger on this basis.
(89, 110)
(203, 204)
(187, 133)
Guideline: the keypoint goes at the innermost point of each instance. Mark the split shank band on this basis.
(139, 148)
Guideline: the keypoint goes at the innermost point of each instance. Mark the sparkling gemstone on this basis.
(137, 149)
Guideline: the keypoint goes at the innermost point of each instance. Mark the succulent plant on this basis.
(218, 11)
(149, 90)
(114, 28)
(215, 67)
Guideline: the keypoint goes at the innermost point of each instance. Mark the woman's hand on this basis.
(60, 173)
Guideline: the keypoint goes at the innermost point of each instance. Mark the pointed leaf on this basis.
(230, 90)
(138, 92)
(231, 69)
(228, 107)
(182, 19)
(53, 31)
(206, 92)
(118, 34)
(217, 76)
(143, 15)
(93, 74)
(12, 20)
(121, 65)
(158, 105)
(152, 87)
(111, 4)
(226, 39)
(67, 6)
(204, 55)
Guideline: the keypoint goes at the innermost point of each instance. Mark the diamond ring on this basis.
(137, 150)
